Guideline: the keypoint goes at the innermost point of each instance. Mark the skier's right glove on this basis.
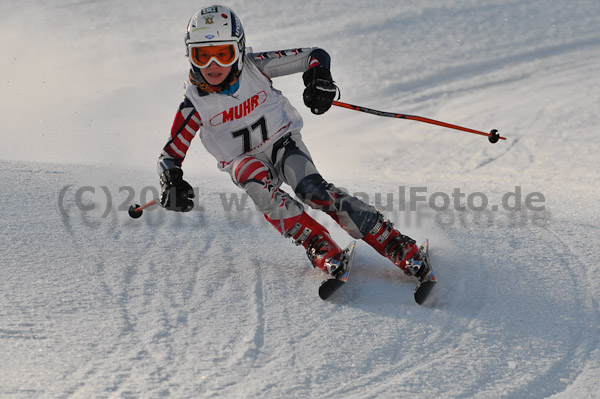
(176, 193)
(320, 90)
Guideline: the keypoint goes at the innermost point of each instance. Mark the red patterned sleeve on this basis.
(187, 122)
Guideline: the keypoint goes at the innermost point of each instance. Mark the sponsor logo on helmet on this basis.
(209, 20)
(208, 10)
(237, 27)
(239, 111)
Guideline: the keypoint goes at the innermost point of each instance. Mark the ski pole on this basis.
(492, 136)
(135, 211)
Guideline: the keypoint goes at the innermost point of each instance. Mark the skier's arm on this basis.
(186, 124)
(176, 193)
(313, 62)
(287, 62)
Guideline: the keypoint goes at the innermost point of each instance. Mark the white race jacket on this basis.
(247, 121)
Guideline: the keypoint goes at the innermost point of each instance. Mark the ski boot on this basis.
(321, 250)
(390, 243)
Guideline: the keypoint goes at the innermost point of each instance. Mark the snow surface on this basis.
(214, 304)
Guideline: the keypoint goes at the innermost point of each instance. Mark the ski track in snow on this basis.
(214, 304)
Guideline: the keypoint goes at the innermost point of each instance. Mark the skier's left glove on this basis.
(176, 193)
(320, 90)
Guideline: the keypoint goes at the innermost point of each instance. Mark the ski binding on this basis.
(331, 285)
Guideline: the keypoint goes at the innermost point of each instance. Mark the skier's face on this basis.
(215, 74)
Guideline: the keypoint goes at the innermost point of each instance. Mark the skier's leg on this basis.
(255, 177)
(359, 219)
(285, 213)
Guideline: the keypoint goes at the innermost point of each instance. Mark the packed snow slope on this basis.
(213, 303)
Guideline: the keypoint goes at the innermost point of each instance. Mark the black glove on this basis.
(320, 89)
(176, 192)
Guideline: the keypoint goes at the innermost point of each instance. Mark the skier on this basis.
(254, 133)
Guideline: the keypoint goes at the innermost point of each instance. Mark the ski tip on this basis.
(422, 291)
(328, 287)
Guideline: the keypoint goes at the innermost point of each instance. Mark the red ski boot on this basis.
(390, 243)
(322, 251)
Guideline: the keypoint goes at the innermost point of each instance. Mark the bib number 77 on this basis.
(246, 133)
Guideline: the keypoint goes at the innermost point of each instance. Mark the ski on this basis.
(331, 285)
(424, 288)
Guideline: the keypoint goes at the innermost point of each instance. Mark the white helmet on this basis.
(215, 34)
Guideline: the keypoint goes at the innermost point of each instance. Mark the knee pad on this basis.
(316, 192)
(355, 216)
(249, 169)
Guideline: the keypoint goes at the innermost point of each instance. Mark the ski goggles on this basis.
(224, 54)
